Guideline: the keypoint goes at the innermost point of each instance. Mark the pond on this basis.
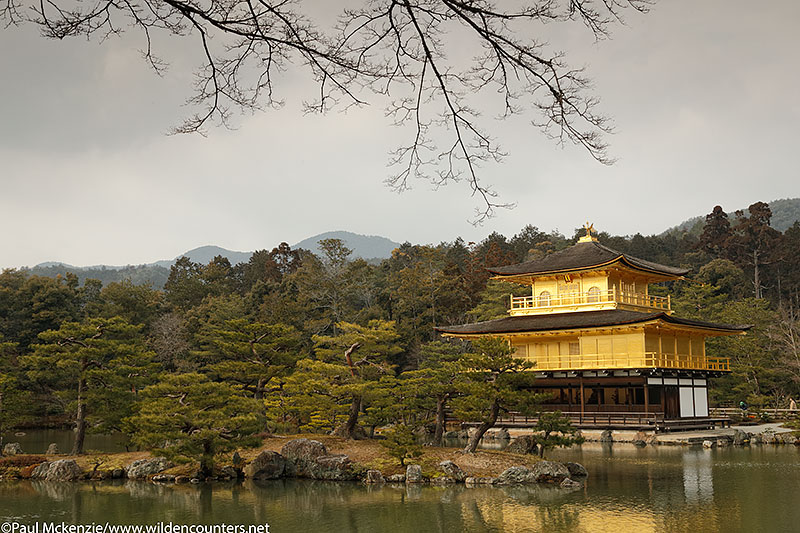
(36, 441)
(659, 489)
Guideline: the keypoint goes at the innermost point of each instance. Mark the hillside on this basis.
(363, 246)
(785, 212)
(204, 254)
(369, 247)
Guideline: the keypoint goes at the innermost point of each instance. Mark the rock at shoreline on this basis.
(515, 475)
(396, 478)
(143, 468)
(374, 477)
(303, 450)
(549, 472)
(570, 484)
(452, 470)
(330, 467)
(471, 481)
(709, 444)
(740, 438)
(267, 465)
(524, 444)
(540, 472)
(12, 448)
(310, 459)
(576, 470)
(62, 470)
(606, 436)
(413, 474)
(497, 434)
(52, 449)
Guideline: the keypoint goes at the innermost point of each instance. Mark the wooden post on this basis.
(646, 398)
(582, 399)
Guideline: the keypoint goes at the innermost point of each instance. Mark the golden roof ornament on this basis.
(589, 230)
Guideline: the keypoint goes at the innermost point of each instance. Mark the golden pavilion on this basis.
(603, 348)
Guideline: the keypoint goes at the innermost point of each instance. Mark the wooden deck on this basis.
(619, 420)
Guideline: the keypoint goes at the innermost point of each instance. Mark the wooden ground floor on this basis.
(651, 398)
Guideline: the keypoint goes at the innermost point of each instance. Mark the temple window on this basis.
(544, 298)
(593, 294)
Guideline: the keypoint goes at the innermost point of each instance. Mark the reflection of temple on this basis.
(603, 347)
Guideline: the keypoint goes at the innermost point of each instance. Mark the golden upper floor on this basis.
(587, 277)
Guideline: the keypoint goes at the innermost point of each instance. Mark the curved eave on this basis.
(660, 275)
(527, 324)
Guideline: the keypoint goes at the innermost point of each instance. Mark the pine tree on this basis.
(187, 417)
(100, 364)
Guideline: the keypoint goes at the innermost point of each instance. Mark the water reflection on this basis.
(698, 480)
(630, 490)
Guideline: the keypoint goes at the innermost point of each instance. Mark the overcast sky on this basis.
(703, 95)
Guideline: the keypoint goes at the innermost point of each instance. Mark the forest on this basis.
(294, 342)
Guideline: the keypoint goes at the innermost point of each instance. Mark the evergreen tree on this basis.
(99, 364)
(554, 429)
(187, 417)
(354, 361)
(495, 380)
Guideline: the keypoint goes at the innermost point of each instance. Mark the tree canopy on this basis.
(438, 66)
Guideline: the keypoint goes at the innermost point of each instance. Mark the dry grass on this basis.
(482, 463)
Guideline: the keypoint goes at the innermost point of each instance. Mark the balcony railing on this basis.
(629, 361)
(574, 299)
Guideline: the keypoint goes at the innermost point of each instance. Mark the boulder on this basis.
(576, 470)
(62, 470)
(12, 448)
(480, 481)
(569, 483)
(143, 468)
(740, 438)
(525, 444)
(303, 450)
(640, 439)
(329, 467)
(514, 476)
(117, 473)
(606, 436)
(452, 470)
(163, 478)
(52, 449)
(756, 438)
(709, 444)
(548, 472)
(396, 478)
(267, 465)
(498, 434)
(374, 477)
(443, 480)
(413, 474)
(229, 472)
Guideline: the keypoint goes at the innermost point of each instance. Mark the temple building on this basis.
(600, 343)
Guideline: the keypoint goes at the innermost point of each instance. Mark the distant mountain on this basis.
(363, 246)
(153, 275)
(156, 274)
(785, 212)
(205, 254)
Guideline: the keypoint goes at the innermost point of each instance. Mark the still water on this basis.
(661, 489)
(36, 441)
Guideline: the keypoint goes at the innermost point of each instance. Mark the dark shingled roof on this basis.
(582, 256)
(566, 321)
